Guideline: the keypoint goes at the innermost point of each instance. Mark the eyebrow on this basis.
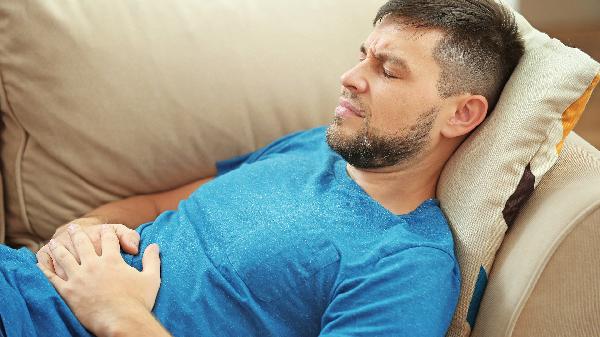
(387, 57)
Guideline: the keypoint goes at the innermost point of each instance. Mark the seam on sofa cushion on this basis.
(583, 214)
(18, 163)
(2, 205)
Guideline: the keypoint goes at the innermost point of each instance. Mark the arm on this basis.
(132, 211)
(410, 293)
(109, 297)
(137, 210)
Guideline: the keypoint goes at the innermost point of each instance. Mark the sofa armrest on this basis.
(544, 279)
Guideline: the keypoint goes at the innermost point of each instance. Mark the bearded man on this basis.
(333, 231)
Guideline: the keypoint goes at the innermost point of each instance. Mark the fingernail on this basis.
(104, 227)
(72, 227)
(135, 241)
(52, 244)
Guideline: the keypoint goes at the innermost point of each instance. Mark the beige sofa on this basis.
(104, 100)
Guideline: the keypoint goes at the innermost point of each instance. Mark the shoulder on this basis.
(311, 140)
(395, 295)
(411, 268)
(427, 226)
(309, 136)
(420, 259)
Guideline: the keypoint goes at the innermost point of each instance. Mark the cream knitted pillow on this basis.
(494, 172)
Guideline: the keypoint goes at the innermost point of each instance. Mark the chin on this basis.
(339, 130)
(349, 126)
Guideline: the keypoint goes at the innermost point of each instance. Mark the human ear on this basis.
(469, 113)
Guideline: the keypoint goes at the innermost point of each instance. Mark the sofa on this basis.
(104, 100)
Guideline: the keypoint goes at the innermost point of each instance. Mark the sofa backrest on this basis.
(102, 100)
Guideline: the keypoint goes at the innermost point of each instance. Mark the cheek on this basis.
(396, 108)
(392, 112)
(389, 121)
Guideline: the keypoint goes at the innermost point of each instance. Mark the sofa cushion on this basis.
(108, 99)
(493, 173)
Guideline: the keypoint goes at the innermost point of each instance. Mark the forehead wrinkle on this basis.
(385, 57)
(393, 59)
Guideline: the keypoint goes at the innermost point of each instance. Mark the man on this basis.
(325, 232)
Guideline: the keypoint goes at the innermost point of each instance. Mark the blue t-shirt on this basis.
(285, 243)
(282, 243)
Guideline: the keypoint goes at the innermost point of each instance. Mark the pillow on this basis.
(493, 173)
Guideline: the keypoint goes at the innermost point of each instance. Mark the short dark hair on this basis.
(481, 45)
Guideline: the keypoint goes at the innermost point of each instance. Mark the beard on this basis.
(371, 148)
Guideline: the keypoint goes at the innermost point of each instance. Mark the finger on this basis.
(64, 238)
(56, 281)
(58, 269)
(59, 231)
(94, 234)
(63, 257)
(43, 257)
(82, 243)
(129, 239)
(151, 260)
(110, 242)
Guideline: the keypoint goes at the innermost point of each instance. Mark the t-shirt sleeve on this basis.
(410, 293)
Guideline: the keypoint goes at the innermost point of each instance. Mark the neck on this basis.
(401, 189)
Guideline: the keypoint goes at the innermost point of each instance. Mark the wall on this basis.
(576, 23)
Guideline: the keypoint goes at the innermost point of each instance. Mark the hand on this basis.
(103, 291)
(128, 238)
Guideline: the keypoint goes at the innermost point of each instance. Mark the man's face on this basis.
(389, 102)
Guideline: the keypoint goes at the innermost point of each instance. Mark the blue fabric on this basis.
(482, 280)
(284, 243)
(29, 305)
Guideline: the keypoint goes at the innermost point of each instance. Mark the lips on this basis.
(347, 109)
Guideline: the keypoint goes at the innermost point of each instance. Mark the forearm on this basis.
(137, 210)
(131, 212)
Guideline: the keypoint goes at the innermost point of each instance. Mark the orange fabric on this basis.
(571, 116)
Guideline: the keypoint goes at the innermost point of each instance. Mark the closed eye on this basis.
(388, 74)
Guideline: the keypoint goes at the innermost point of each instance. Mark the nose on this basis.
(354, 79)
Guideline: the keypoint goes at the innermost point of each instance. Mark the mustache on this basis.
(353, 98)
